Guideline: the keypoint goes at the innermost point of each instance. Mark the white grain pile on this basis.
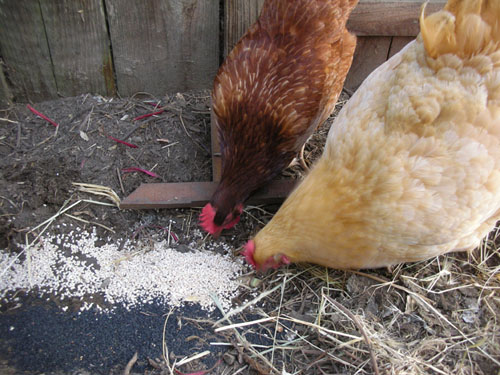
(73, 266)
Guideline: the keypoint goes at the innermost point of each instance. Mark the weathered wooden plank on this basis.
(398, 42)
(25, 50)
(216, 154)
(371, 51)
(5, 94)
(390, 18)
(238, 16)
(164, 46)
(79, 46)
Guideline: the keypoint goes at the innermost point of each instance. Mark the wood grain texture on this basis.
(238, 16)
(5, 94)
(25, 51)
(396, 18)
(371, 51)
(197, 194)
(216, 154)
(398, 42)
(79, 46)
(162, 46)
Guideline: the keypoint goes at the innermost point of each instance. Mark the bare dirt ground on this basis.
(433, 317)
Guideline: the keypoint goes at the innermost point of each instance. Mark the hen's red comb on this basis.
(248, 253)
(207, 219)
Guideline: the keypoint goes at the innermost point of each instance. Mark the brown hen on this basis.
(278, 84)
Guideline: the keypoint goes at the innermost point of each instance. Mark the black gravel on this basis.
(45, 339)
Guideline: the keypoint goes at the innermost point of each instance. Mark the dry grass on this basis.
(433, 317)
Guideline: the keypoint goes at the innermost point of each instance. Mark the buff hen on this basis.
(411, 168)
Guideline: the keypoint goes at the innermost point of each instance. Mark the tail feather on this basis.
(463, 27)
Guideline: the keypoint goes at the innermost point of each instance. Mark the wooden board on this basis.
(5, 94)
(238, 16)
(216, 154)
(398, 42)
(396, 18)
(371, 51)
(162, 46)
(197, 194)
(79, 46)
(53, 47)
(25, 51)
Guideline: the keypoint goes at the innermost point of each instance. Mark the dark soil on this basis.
(39, 162)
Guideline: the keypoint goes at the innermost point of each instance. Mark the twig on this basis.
(130, 364)
(120, 180)
(90, 222)
(169, 145)
(99, 203)
(196, 356)
(8, 120)
(164, 344)
(244, 324)
(360, 327)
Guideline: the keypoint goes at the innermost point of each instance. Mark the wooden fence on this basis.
(53, 48)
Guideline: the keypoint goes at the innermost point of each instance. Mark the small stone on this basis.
(183, 248)
(228, 358)
(240, 358)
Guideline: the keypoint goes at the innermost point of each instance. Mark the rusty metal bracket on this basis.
(197, 194)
